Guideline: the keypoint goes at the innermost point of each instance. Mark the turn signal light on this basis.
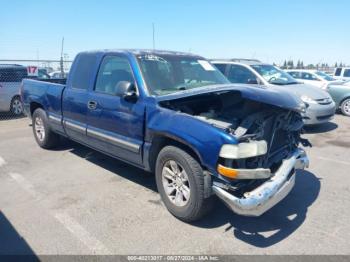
(227, 172)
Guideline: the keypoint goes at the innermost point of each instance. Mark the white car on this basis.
(313, 77)
(342, 73)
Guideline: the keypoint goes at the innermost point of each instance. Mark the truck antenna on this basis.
(61, 61)
(154, 43)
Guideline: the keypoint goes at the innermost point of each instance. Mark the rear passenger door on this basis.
(115, 126)
(76, 96)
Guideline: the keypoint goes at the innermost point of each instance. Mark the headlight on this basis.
(308, 100)
(244, 150)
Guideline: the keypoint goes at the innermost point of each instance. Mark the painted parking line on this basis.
(2, 162)
(95, 246)
(333, 160)
(79, 232)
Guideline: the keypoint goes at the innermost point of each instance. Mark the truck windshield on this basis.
(165, 74)
(273, 75)
(324, 76)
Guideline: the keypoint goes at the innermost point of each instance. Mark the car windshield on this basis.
(324, 76)
(273, 75)
(165, 74)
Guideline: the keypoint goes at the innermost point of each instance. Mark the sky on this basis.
(269, 30)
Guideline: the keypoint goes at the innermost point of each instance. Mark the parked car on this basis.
(320, 106)
(11, 77)
(313, 77)
(342, 73)
(341, 97)
(176, 115)
(58, 75)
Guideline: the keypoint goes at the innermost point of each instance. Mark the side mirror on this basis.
(126, 90)
(252, 81)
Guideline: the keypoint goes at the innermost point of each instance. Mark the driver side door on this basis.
(115, 126)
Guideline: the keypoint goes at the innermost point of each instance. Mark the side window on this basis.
(221, 67)
(295, 75)
(337, 71)
(308, 76)
(84, 70)
(113, 69)
(347, 73)
(240, 74)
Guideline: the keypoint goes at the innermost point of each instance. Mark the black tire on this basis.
(16, 107)
(198, 204)
(345, 107)
(40, 121)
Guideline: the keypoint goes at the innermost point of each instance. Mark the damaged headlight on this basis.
(244, 150)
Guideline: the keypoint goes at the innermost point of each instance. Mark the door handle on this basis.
(92, 105)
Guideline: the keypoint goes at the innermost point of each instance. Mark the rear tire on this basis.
(16, 106)
(180, 183)
(43, 134)
(345, 107)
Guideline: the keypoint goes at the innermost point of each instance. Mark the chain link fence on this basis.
(12, 72)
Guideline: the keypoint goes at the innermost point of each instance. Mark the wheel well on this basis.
(159, 142)
(34, 106)
(348, 97)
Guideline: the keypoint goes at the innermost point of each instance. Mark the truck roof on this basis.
(141, 52)
(10, 66)
(237, 60)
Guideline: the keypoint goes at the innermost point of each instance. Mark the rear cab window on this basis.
(347, 73)
(84, 70)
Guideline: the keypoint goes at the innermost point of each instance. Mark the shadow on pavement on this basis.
(267, 230)
(11, 242)
(321, 128)
(113, 165)
(276, 224)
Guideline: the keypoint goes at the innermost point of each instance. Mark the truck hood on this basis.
(275, 96)
(306, 90)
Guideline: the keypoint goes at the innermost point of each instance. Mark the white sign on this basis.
(32, 71)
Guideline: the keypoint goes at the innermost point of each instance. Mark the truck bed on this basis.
(45, 93)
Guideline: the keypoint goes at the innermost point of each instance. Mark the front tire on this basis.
(345, 107)
(16, 106)
(180, 183)
(43, 134)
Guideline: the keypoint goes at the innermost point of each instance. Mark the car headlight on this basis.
(244, 150)
(308, 100)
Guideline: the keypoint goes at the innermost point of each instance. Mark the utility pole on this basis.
(154, 43)
(61, 61)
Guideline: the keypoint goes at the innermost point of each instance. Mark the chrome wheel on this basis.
(16, 106)
(39, 128)
(346, 107)
(176, 184)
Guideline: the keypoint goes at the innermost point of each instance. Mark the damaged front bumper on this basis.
(264, 197)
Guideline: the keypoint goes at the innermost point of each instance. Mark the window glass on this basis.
(13, 74)
(84, 69)
(337, 71)
(294, 74)
(221, 67)
(308, 76)
(347, 73)
(113, 70)
(240, 74)
(166, 73)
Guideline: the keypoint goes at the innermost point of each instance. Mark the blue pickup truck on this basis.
(175, 114)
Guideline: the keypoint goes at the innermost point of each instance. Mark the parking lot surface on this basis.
(74, 200)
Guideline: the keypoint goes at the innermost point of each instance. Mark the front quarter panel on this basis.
(339, 93)
(205, 140)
